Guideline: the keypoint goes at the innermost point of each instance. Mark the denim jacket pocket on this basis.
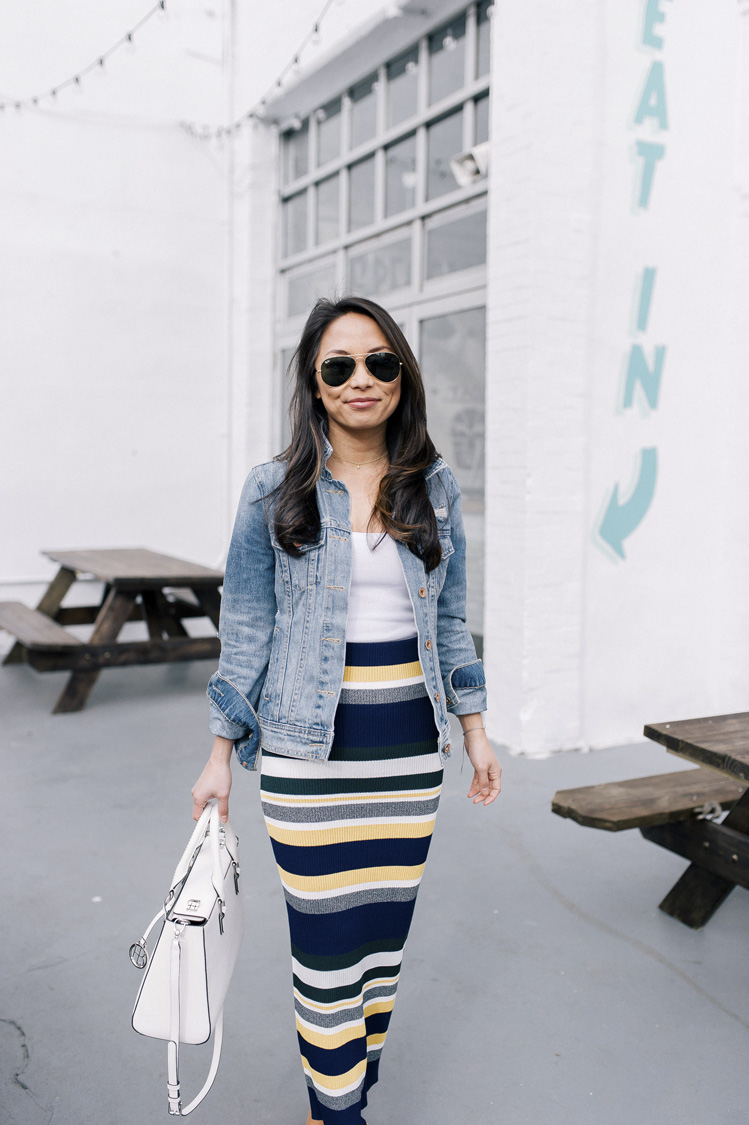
(304, 571)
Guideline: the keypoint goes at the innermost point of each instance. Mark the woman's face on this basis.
(363, 403)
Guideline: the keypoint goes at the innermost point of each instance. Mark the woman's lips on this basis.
(361, 402)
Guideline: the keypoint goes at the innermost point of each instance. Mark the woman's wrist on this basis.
(221, 750)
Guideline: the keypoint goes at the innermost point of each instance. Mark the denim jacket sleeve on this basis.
(248, 610)
(462, 671)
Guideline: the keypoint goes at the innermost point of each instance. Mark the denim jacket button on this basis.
(428, 644)
(422, 592)
(437, 697)
(447, 748)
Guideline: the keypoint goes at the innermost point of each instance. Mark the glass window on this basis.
(403, 77)
(381, 269)
(445, 140)
(296, 152)
(482, 119)
(455, 410)
(362, 193)
(295, 224)
(458, 245)
(484, 12)
(327, 226)
(328, 132)
(447, 59)
(400, 176)
(363, 111)
(303, 289)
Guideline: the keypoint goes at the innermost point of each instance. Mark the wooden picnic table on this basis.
(680, 810)
(719, 853)
(139, 585)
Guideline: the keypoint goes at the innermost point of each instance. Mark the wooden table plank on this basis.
(720, 741)
(137, 568)
(34, 628)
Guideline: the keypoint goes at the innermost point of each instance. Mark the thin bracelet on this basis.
(465, 732)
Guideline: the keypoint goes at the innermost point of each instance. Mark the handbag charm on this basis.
(181, 997)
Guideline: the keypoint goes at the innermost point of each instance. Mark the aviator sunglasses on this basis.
(337, 369)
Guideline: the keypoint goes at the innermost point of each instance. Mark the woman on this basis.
(343, 648)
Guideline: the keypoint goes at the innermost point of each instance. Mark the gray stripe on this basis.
(336, 903)
(343, 1101)
(310, 814)
(345, 1015)
(383, 694)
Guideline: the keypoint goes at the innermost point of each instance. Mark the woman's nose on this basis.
(362, 376)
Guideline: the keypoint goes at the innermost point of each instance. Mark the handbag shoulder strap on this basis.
(173, 1089)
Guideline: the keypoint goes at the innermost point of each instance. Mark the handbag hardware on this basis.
(181, 996)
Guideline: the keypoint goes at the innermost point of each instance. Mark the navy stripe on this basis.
(319, 786)
(384, 724)
(352, 929)
(374, 654)
(330, 859)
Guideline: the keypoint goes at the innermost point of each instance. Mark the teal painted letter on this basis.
(653, 100)
(638, 371)
(646, 296)
(653, 15)
(620, 520)
(651, 152)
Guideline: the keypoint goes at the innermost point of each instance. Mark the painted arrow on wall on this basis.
(620, 520)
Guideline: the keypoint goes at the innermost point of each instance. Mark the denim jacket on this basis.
(283, 622)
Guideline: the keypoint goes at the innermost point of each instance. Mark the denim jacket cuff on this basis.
(465, 689)
(223, 727)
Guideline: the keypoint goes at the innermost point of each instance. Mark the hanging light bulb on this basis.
(315, 37)
(449, 42)
(129, 42)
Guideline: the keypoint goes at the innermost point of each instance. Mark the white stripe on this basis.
(357, 1023)
(305, 769)
(326, 825)
(337, 978)
(390, 983)
(332, 799)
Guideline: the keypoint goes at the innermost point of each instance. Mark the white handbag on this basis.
(181, 996)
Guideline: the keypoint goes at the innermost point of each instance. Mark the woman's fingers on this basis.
(486, 785)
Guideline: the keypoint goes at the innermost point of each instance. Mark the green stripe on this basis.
(382, 753)
(318, 786)
(335, 962)
(347, 991)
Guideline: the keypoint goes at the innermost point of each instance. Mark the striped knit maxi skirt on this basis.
(350, 837)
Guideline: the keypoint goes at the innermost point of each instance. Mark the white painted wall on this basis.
(585, 646)
(134, 340)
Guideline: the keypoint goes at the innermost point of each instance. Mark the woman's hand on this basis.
(487, 772)
(215, 780)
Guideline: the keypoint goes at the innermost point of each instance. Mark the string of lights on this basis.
(97, 64)
(255, 113)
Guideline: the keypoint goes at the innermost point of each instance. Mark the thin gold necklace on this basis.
(359, 463)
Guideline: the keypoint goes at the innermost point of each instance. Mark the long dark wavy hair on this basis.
(402, 503)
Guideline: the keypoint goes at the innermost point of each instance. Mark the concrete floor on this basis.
(542, 986)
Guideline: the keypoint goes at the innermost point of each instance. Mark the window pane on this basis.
(304, 289)
(482, 119)
(296, 152)
(328, 132)
(457, 246)
(483, 15)
(455, 411)
(327, 210)
(445, 140)
(295, 224)
(400, 176)
(447, 59)
(381, 270)
(403, 75)
(361, 193)
(364, 111)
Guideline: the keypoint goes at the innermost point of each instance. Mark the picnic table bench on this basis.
(139, 585)
(680, 811)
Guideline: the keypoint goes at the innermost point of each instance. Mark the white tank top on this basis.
(379, 607)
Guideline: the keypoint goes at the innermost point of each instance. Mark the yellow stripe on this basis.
(377, 1006)
(354, 674)
(376, 1040)
(330, 1042)
(360, 876)
(346, 834)
(344, 798)
(335, 1081)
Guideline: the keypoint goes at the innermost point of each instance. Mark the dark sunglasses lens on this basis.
(337, 370)
(384, 366)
